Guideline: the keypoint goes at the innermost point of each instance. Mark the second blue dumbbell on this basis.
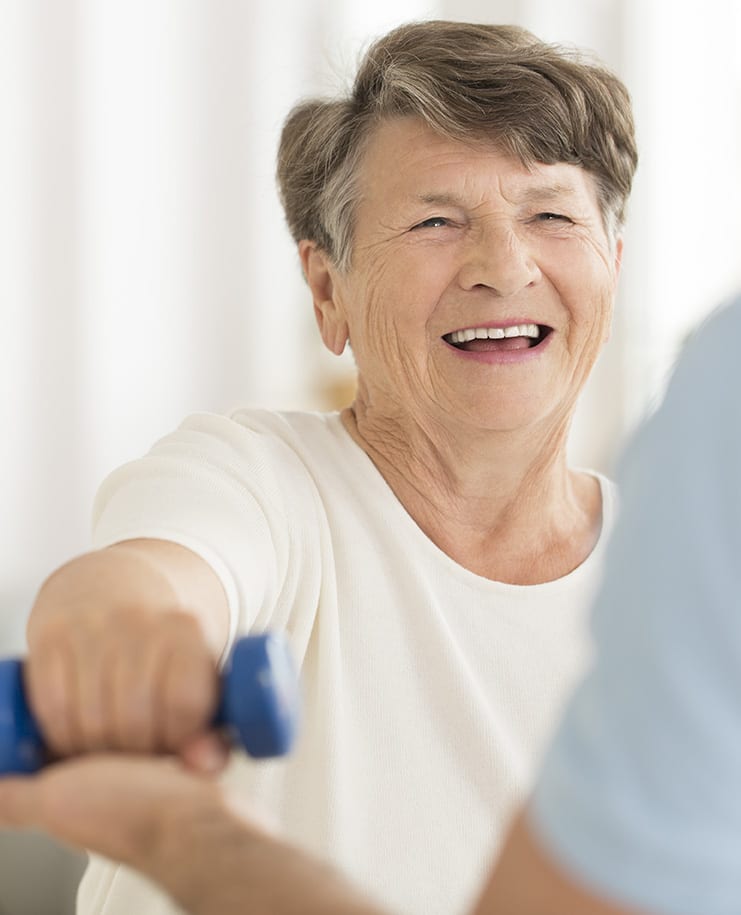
(258, 707)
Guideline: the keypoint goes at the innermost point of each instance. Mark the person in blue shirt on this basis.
(639, 798)
(638, 805)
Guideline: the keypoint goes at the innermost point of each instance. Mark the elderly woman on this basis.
(428, 550)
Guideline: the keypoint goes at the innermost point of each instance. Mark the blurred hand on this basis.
(116, 660)
(181, 830)
(127, 808)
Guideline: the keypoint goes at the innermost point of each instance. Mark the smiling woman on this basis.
(455, 268)
(428, 549)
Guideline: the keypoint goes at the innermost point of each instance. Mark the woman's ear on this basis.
(618, 257)
(617, 266)
(320, 275)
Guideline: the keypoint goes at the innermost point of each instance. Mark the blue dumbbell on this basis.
(258, 707)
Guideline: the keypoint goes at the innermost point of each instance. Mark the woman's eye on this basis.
(434, 222)
(552, 217)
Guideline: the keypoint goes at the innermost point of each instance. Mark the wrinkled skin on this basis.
(451, 236)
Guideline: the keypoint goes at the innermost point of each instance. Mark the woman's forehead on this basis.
(407, 160)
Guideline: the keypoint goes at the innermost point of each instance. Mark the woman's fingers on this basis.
(51, 684)
(141, 682)
(90, 695)
(189, 687)
(132, 711)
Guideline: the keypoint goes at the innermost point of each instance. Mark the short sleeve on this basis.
(640, 794)
(231, 494)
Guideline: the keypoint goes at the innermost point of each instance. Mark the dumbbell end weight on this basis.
(260, 700)
(22, 749)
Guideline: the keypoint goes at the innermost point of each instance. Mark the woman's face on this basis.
(455, 240)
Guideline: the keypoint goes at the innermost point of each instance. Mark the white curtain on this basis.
(145, 270)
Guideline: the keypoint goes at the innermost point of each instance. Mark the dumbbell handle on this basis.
(258, 705)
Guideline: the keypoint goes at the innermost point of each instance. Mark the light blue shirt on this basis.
(640, 794)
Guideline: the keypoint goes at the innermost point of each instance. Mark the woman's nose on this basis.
(500, 260)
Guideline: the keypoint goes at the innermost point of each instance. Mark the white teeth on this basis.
(495, 333)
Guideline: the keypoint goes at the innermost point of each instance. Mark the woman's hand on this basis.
(120, 652)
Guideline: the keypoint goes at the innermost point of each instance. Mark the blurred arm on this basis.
(179, 829)
(638, 797)
(526, 881)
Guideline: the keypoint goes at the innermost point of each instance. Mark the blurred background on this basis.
(145, 270)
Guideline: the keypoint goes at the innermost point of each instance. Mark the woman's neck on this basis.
(502, 504)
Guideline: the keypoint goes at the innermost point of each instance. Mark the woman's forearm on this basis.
(213, 862)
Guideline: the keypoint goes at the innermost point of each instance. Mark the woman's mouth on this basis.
(498, 339)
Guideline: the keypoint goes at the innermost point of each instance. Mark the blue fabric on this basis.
(640, 794)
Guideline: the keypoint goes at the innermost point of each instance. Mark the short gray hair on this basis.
(537, 102)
